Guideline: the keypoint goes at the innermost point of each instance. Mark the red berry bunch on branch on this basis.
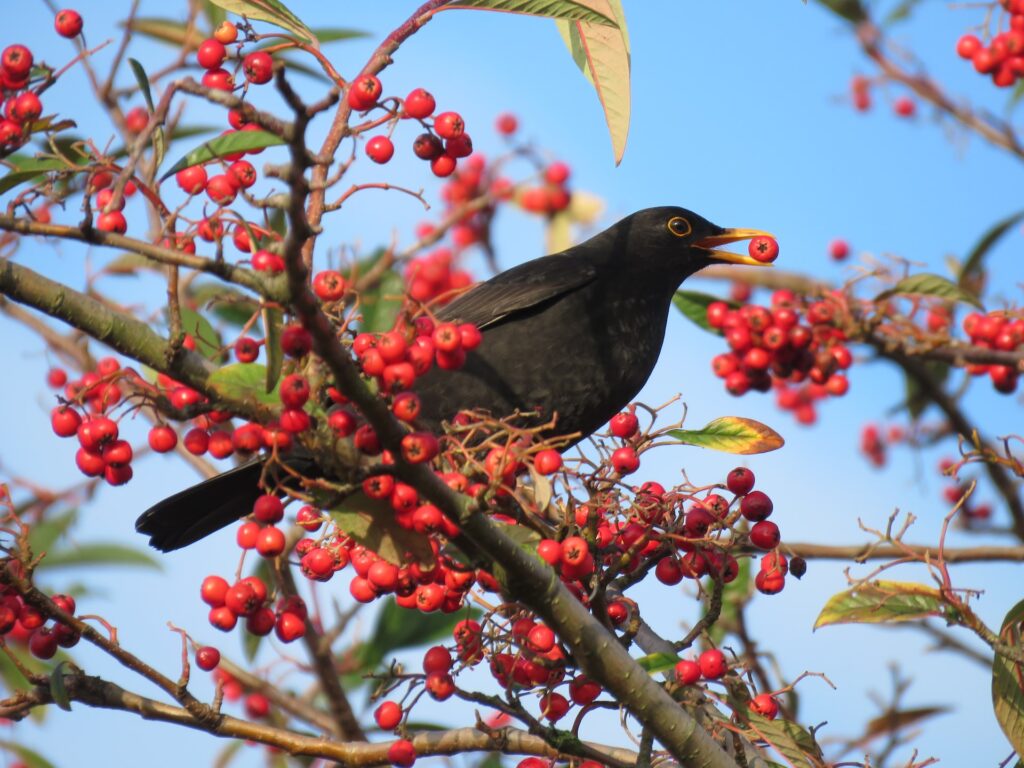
(1002, 57)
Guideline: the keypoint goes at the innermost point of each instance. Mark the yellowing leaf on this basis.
(271, 11)
(244, 382)
(732, 434)
(879, 602)
(1007, 685)
(602, 53)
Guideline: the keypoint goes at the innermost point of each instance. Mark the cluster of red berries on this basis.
(860, 94)
(21, 623)
(1001, 331)
(875, 446)
(1003, 57)
(435, 276)
(248, 599)
(772, 345)
(444, 142)
(550, 197)
(712, 665)
(257, 66)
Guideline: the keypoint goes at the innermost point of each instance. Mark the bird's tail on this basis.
(196, 512)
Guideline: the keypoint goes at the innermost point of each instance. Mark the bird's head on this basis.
(674, 237)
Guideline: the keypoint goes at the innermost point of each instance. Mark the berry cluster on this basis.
(248, 599)
(22, 623)
(1003, 58)
(771, 346)
(1000, 330)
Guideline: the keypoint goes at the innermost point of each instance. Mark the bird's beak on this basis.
(732, 236)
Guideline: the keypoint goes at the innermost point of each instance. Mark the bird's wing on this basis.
(520, 288)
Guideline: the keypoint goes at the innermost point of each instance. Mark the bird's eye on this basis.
(679, 226)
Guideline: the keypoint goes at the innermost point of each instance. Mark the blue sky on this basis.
(739, 113)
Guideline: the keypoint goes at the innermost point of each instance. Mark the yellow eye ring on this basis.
(679, 226)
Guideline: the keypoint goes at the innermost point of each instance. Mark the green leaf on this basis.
(879, 602)
(851, 10)
(33, 168)
(99, 553)
(1007, 685)
(927, 284)
(143, 80)
(272, 320)
(381, 305)
(658, 662)
(371, 522)
(168, 31)
(735, 596)
(244, 382)
(892, 722)
(229, 144)
(57, 689)
(1015, 96)
(30, 758)
(214, 15)
(272, 12)
(555, 9)
(250, 641)
(790, 740)
(901, 12)
(44, 534)
(602, 54)
(399, 628)
(732, 434)
(694, 306)
(972, 264)
(207, 339)
(917, 400)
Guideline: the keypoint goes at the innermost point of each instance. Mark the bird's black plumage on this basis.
(574, 336)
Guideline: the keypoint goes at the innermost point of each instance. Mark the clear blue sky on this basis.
(739, 114)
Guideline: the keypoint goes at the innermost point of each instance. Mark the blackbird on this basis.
(571, 336)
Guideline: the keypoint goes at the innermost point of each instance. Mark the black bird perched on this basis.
(573, 335)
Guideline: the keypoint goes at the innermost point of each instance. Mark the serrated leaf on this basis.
(792, 741)
(732, 434)
(972, 264)
(694, 306)
(399, 628)
(228, 144)
(879, 602)
(1008, 681)
(207, 339)
(380, 306)
(602, 54)
(244, 382)
(33, 168)
(658, 662)
(99, 553)
(273, 319)
(166, 31)
(371, 522)
(57, 689)
(31, 758)
(271, 11)
(927, 284)
(555, 9)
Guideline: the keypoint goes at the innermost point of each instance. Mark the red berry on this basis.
(258, 67)
(756, 505)
(765, 705)
(443, 166)
(624, 460)
(967, 46)
(506, 124)
(904, 106)
(364, 92)
(213, 590)
(380, 149)
(192, 180)
(712, 664)
(427, 146)
(226, 33)
(548, 461)
(541, 639)
(65, 421)
(388, 715)
(68, 23)
(419, 104)
(211, 53)
(765, 535)
(624, 425)
(448, 125)
(289, 627)
(740, 481)
(763, 249)
(16, 61)
(270, 542)
(838, 249)
(207, 658)
(112, 222)
(402, 753)
(329, 285)
(687, 672)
